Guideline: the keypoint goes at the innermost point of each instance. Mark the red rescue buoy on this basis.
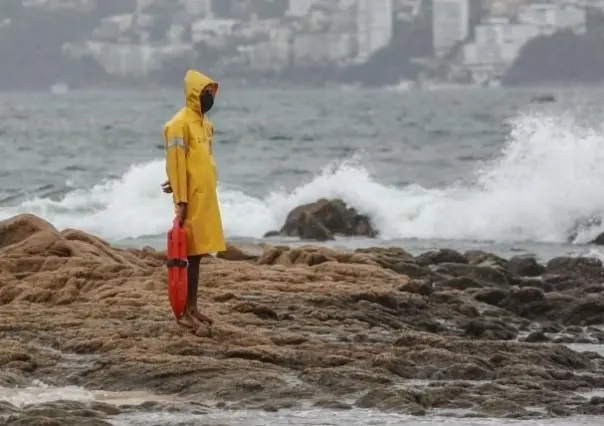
(177, 263)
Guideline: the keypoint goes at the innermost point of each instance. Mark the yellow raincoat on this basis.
(191, 168)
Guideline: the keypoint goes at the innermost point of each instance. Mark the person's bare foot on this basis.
(188, 321)
(204, 319)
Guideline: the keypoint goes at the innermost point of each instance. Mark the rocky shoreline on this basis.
(469, 334)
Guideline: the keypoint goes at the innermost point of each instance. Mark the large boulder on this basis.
(323, 219)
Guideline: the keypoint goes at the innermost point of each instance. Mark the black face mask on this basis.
(207, 101)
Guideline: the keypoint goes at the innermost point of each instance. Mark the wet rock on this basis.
(542, 99)
(599, 240)
(331, 404)
(493, 296)
(459, 283)
(261, 311)
(533, 282)
(537, 337)
(323, 219)
(7, 408)
(400, 401)
(483, 258)
(502, 408)
(525, 266)
(387, 256)
(296, 326)
(412, 270)
(309, 227)
(489, 329)
(528, 302)
(235, 253)
(464, 371)
(587, 268)
(436, 257)
(423, 287)
(59, 413)
(588, 311)
(486, 275)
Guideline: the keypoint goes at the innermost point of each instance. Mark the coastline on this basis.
(440, 333)
(284, 84)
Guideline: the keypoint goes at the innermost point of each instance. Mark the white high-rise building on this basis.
(374, 26)
(198, 7)
(450, 24)
(550, 18)
(299, 8)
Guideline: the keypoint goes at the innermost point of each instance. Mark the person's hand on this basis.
(181, 212)
(166, 187)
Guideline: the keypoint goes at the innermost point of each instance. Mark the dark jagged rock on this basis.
(436, 257)
(525, 266)
(542, 99)
(324, 219)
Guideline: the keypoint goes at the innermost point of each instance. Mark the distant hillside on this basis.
(563, 57)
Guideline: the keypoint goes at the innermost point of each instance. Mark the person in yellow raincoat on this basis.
(192, 182)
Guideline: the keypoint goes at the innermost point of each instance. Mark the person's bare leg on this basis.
(188, 320)
(192, 290)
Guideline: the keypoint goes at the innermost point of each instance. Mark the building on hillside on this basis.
(273, 54)
(505, 8)
(213, 32)
(299, 8)
(113, 27)
(496, 46)
(450, 24)
(59, 4)
(549, 17)
(374, 27)
(198, 7)
(128, 60)
(314, 49)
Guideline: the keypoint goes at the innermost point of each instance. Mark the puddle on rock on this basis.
(587, 347)
(40, 393)
(353, 417)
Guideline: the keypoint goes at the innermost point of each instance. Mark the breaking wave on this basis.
(546, 185)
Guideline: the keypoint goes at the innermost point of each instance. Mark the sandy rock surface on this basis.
(375, 328)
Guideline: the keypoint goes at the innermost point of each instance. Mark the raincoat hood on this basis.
(195, 83)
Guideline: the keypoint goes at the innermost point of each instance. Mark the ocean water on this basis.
(464, 169)
(40, 393)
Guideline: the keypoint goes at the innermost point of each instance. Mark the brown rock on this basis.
(436, 257)
(459, 283)
(292, 327)
(486, 275)
(234, 253)
(323, 219)
(585, 268)
(423, 287)
(525, 266)
(537, 337)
